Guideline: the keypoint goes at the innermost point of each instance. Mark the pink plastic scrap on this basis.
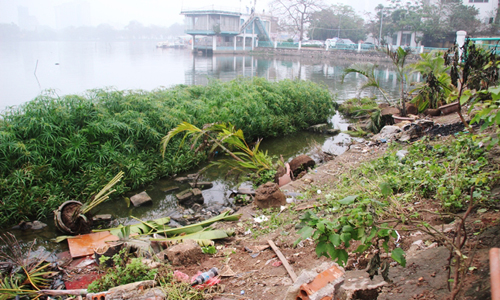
(183, 277)
(277, 263)
(210, 282)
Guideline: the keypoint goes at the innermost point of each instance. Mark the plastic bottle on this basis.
(203, 277)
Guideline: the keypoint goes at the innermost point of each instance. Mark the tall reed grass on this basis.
(54, 149)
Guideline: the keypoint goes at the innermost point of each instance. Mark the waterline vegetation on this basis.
(54, 149)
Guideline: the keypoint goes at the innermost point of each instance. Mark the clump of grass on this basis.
(358, 107)
(54, 149)
(125, 270)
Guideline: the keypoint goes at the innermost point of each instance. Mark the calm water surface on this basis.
(30, 68)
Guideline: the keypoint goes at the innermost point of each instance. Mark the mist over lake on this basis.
(32, 67)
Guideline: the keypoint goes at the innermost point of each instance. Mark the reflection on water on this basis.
(329, 73)
(77, 66)
(74, 67)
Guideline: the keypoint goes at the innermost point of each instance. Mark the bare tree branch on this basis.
(297, 12)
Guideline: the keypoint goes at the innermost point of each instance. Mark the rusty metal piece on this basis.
(323, 279)
(495, 273)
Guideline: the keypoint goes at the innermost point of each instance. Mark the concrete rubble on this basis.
(141, 199)
(357, 285)
(190, 197)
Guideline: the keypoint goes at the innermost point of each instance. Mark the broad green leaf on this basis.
(321, 226)
(342, 256)
(348, 200)
(362, 248)
(335, 239)
(306, 232)
(345, 237)
(398, 255)
(332, 251)
(464, 99)
(385, 189)
(383, 232)
(347, 228)
(321, 249)
(385, 246)
(297, 242)
(373, 233)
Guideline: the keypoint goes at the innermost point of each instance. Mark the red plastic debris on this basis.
(210, 282)
(183, 277)
(82, 282)
(277, 263)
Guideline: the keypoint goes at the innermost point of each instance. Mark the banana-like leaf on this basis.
(199, 226)
(62, 238)
(199, 236)
(186, 230)
(145, 227)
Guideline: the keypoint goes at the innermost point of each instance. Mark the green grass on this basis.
(54, 149)
(444, 172)
(358, 107)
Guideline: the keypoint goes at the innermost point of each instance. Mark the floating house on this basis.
(225, 30)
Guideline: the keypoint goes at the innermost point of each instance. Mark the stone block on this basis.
(141, 199)
(190, 197)
(318, 127)
(181, 179)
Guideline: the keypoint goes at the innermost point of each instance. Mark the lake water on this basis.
(28, 68)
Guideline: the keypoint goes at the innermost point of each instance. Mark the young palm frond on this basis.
(398, 58)
(102, 196)
(367, 70)
(220, 135)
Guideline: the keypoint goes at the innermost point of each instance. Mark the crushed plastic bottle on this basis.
(203, 277)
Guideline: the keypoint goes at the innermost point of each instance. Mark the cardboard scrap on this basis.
(84, 245)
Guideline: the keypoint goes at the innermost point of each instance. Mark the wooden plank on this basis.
(283, 260)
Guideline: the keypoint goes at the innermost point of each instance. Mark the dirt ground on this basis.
(258, 275)
(250, 269)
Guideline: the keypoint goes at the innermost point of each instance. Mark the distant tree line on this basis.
(436, 21)
(134, 30)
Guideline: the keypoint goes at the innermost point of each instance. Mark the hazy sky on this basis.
(120, 12)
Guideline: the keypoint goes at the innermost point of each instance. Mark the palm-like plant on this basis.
(398, 59)
(367, 70)
(34, 274)
(437, 82)
(224, 136)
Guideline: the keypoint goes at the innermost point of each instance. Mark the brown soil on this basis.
(253, 273)
(425, 276)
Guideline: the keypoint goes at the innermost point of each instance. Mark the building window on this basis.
(406, 39)
(478, 1)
